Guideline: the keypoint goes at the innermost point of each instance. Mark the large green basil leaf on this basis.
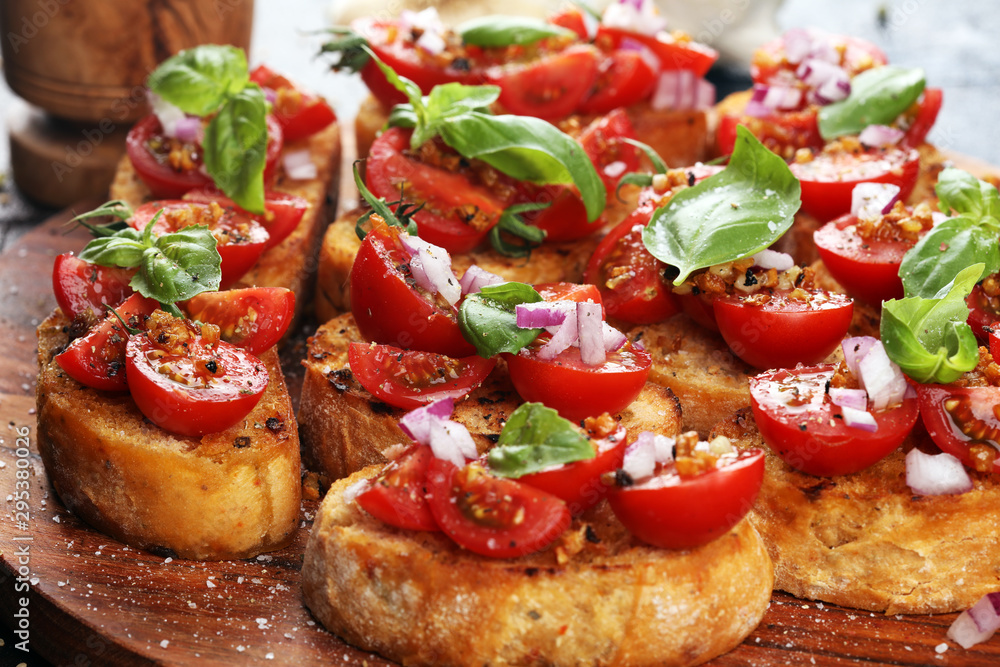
(499, 31)
(878, 96)
(200, 79)
(963, 193)
(123, 251)
(728, 216)
(179, 265)
(235, 148)
(534, 438)
(929, 338)
(932, 264)
(450, 99)
(487, 318)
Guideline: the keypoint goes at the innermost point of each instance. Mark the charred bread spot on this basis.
(241, 442)
(591, 535)
(814, 492)
(274, 425)
(340, 379)
(380, 408)
(492, 437)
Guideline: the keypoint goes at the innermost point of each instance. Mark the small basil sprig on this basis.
(878, 96)
(487, 318)
(928, 338)
(643, 180)
(214, 79)
(511, 223)
(401, 217)
(534, 438)
(500, 30)
(349, 49)
(971, 237)
(733, 214)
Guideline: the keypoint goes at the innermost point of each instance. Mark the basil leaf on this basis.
(349, 47)
(199, 80)
(381, 208)
(963, 193)
(878, 96)
(511, 223)
(931, 265)
(124, 251)
(400, 83)
(402, 115)
(498, 31)
(235, 148)
(728, 216)
(534, 438)
(528, 149)
(454, 98)
(929, 338)
(179, 265)
(487, 318)
(116, 208)
(659, 166)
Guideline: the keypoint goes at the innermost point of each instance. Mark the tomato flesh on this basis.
(672, 54)
(784, 331)
(300, 114)
(282, 211)
(994, 341)
(411, 378)
(490, 516)
(782, 133)
(964, 422)
(671, 511)
(800, 424)
(80, 285)
(624, 78)
(983, 311)
(252, 318)
(550, 87)
(396, 496)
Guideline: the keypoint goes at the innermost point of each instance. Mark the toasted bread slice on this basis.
(417, 598)
(344, 428)
(232, 494)
(867, 541)
(291, 263)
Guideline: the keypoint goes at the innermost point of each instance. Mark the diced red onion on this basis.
(855, 349)
(299, 165)
(451, 441)
(639, 16)
(870, 200)
(937, 217)
(591, 334)
(681, 90)
(782, 98)
(188, 128)
(823, 48)
(270, 95)
(431, 43)
(978, 623)
(856, 399)
(859, 419)
(646, 53)
(642, 455)
(755, 105)
(427, 20)
(882, 379)
(565, 335)
(936, 474)
(540, 314)
(166, 113)
(880, 135)
(613, 338)
(430, 266)
(415, 423)
(476, 278)
(798, 44)
(771, 259)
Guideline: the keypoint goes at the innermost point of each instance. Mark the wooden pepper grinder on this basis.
(80, 66)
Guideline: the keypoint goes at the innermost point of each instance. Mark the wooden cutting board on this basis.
(92, 600)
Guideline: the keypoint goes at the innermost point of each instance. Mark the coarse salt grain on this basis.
(941, 648)
(165, 643)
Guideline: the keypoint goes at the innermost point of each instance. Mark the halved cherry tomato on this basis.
(253, 318)
(456, 215)
(799, 423)
(983, 310)
(300, 113)
(603, 140)
(239, 238)
(80, 285)
(570, 292)
(396, 496)
(97, 359)
(964, 422)
(282, 211)
(673, 54)
(830, 177)
(927, 112)
(577, 390)
(867, 268)
(571, 18)
(631, 281)
(700, 307)
(550, 87)
(411, 378)
(578, 483)
(565, 219)
(784, 331)
(624, 78)
(781, 133)
(190, 384)
(148, 151)
(387, 305)
(682, 512)
(491, 516)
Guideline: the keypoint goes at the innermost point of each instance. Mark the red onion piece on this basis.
(166, 113)
(882, 379)
(566, 335)
(880, 136)
(855, 349)
(430, 266)
(978, 623)
(299, 165)
(270, 95)
(451, 441)
(859, 419)
(540, 314)
(613, 338)
(782, 98)
(771, 259)
(639, 16)
(680, 90)
(415, 423)
(188, 128)
(798, 44)
(936, 474)
(856, 399)
(640, 458)
(591, 334)
(870, 200)
(431, 43)
(427, 20)
(476, 278)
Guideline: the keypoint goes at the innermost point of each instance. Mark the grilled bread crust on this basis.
(291, 263)
(232, 494)
(867, 541)
(419, 599)
(344, 428)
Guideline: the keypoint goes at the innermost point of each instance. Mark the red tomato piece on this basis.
(411, 378)
(799, 423)
(253, 318)
(570, 292)
(300, 113)
(239, 238)
(79, 285)
(829, 178)
(995, 341)
(577, 390)
(673, 54)
(187, 381)
(624, 78)
(282, 211)
(578, 483)
(571, 18)
(683, 512)
(964, 422)
(97, 359)
(983, 311)
(396, 495)
(490, 516)
(631, 281)
(781, 133)
(457, 214)
(700, 308)
(868, 268)
(603, 140)
(387, 306)
(927, 112)
(550, 87)
(565, 219)
(784, 331)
